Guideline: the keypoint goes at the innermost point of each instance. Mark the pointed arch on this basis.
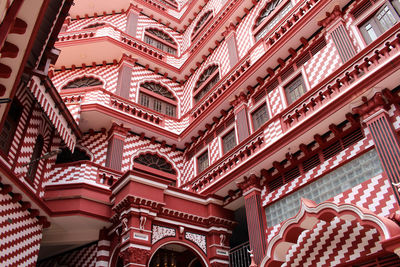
(207, 79)
(161, 40)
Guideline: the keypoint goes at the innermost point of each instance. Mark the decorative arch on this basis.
(160, 39)
(207, 79)
(311, 214)
(204, 19)
(174, 240)
(158, 97)
(154, 161)
(161, 155)
(83, 81)
(266, 11)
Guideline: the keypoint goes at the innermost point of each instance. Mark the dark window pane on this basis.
(229, 141)
(202, 162)
(295, 90)
(260, 116)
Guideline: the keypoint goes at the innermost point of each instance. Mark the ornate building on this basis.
(185, 133)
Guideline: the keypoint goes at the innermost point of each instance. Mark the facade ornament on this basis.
(125, 224)
(330, 17)
(252, 264)
(242, 98)
(228, 29)
(370, 106)
(199, 240)
(181, 229)
(143, 220)
(135, 255)
(249, 183)
(222, 238)
(160, 232)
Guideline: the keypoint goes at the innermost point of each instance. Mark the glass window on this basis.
(381, 21)
(206, 82)
(161, 40)
(343, 178)
(260, 116)
(229, 141)
(202, 162)
(157, 105)
(10, 126)
(295, 89)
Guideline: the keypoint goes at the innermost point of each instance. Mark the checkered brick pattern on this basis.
(256, 53)
(97, 144)
(273, 132)
(134, 146)
(177, 62)
(275, 101)
(84, 173)
(375, 195)
(176, 126)
(20, 235)
(82, 257)
(108, 74)
(215, 150)
(188, 170)
(333, 243)
(323, 63)
(245, 39)
(117, 20)
(318, 171)
(75, 110)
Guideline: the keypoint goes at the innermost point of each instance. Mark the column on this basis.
(116, 139)
(103, 249)
(241, 117)
(132, 20)
(125, 76)
(374, 115)
(255, 215)
(335, 28)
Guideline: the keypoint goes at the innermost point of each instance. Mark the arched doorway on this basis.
(175, 255)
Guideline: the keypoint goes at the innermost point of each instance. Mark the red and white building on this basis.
(185, 133)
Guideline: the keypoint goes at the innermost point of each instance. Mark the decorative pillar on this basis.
(255, 215)
(115, 149)
(103, 249)
(335, 27)
(124, 76)
(241, 118)
(132, 19)
(374, 115)
(230, 38)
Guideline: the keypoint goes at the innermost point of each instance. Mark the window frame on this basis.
(199, 155)
(198, 90)
(227, 132)
(269, 18)
(160, 40)
(371, 18)
(154, 96)
(257, 108)
(292, 81)
(35, 159)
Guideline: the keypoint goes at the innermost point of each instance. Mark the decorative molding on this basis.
(199, 240)
(160, 232)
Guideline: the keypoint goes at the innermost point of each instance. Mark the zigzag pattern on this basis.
(256, 53)
(323, 63)
(273, 132)
(75, 110)
(82, 257)
(20, 235)
(333, 243)
(275, 101)
(118, 21)
(188, 170)
(214, 150)
(97, 145)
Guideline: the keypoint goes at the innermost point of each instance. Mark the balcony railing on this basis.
(239, 256)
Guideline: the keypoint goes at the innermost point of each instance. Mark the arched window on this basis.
(161, 40)
(66, 156)
(94, 25)
(170, 3)
(270, 16)
(83, 82)
(155, 162)
(207, 80)
(158, 98)
(202, 22)
(35, 158)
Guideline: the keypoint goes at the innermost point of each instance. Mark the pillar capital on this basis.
(371, 106)
(331, 17)
(133, 255)
(250, 184)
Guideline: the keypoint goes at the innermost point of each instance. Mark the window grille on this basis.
(160, 40)
(159, 105)
(202, 21)
(207, 80)
(83, 82)
(155, 162)
(202, 162)
(295, 89)
(229, 141)
(259, 117)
